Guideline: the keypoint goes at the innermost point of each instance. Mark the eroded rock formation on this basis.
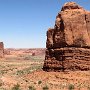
(1, 50)
(68, 43)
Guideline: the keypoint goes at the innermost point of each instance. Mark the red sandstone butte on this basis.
(68, 43)
(1, 50)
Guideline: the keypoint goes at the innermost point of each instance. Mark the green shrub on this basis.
(39, 82)
(46, 88)
(16, 87)
(31, 88)
(71, 87)
(20, 72)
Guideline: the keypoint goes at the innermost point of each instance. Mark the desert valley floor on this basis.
(22, 70)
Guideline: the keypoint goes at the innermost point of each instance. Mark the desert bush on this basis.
(46, 88)
(20, 72)
(39, 82)
(71, 87)
(1, 84)
(3, 72)
(31, 88)
(88, 88)
(16, 87)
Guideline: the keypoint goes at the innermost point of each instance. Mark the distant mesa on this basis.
(68, 43)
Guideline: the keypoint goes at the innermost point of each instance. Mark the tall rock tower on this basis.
(68, 43)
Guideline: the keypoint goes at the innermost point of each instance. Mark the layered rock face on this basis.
(1, 50)
(68, 43)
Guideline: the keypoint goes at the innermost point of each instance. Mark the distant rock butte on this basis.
(68, 43)
(1, 50)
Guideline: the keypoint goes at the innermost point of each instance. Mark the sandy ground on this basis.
(26, 71)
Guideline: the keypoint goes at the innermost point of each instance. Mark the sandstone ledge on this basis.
(68, 58)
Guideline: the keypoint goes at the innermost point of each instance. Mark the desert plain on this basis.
(21, 69)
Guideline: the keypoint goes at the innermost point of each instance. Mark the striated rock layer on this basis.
(68, 43)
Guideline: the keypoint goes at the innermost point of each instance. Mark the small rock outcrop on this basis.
(1, 50)
(68, 43)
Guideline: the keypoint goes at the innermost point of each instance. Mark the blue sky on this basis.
(23, 23)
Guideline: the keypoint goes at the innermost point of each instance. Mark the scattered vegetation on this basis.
(31, 88)
(71, 87)
(46, 88)
(88, 88)
(23, 71)
(3, 72)
(1, 84)
(29, 69)
(33, 58)
(16, 87)
(39, 82)
(20, 72)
